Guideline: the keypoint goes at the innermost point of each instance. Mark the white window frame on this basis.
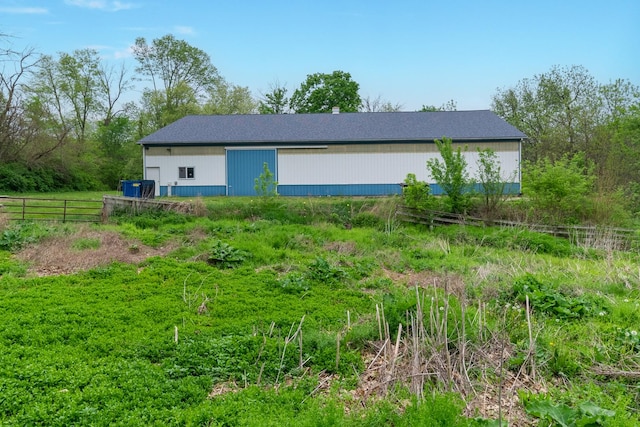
(186, 170)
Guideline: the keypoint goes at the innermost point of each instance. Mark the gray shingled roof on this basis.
(260, 129)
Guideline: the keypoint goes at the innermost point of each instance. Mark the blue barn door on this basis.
(244, 166)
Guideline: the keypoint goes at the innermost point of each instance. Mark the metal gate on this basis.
(244, 166)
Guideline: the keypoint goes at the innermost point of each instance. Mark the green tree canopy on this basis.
(226, 98)
(275, 101)
(562, 110)
(319, 93)
(181, 76)
(451, 174)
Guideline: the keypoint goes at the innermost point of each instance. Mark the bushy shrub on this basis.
(16, 236)
(15, 177)
(452, 175)
(416, 193)
(226, 256)
(20, 178)
(559, 190)
(550, 301)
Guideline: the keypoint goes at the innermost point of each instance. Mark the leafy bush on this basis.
(21, 178)
(416, 193)
(452, 175)
(16, 236)
(15, 177)
(586, 414)
(323, 272)
(548, 300)
(558, 190)
(225, 256)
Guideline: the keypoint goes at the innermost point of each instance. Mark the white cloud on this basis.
(118, 5)
(124, 53)
(110, 6)
(25, 10)
(181, 29)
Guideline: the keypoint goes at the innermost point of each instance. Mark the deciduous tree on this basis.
(320, 92)
(227, 98)
(377, 104)
(275, 101)
(451, 174)
(181, 76)
(561, 111)
(15, 130)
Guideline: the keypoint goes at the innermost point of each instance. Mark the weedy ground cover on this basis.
(326, 311)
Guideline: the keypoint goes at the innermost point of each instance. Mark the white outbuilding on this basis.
(339, 154)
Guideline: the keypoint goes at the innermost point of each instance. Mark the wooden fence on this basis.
(591, 236)
(40, 209)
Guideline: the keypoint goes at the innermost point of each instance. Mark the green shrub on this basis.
(558, 190)
(416, 193)
(20, 178)
(322, 271)
(20, 234)
(586, 414)
(452, 175)
(15, 177)
(225, 256)
(549, 300)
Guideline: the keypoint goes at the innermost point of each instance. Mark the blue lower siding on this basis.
(195, 190)
(319, 190)
(340, 190)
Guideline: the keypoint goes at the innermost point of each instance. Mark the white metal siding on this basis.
(209, 169)
(371, 168)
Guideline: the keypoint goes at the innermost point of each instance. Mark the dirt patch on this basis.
(68, 254)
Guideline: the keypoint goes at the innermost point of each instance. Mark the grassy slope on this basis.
(99, 347)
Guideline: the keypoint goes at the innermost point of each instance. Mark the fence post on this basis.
(24, 207)
(64, 212)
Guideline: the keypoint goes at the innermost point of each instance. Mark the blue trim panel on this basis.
(340, 190)
(194, 191)
(318, 190)
(511, 188)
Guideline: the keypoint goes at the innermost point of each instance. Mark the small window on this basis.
(186, 172)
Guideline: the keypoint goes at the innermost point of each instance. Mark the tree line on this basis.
(71, 120)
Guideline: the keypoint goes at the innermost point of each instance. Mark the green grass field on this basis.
(287, 312)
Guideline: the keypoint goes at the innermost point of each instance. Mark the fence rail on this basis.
(40, 209)
(593, 236)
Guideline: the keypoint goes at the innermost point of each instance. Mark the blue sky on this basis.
(410, 52)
